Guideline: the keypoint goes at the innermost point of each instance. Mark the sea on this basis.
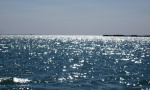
(74, 62)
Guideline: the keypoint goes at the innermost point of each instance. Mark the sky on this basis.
(75, 17)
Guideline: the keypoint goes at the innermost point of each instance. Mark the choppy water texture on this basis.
(74, 62)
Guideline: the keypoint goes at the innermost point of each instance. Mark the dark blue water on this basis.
(74, 63)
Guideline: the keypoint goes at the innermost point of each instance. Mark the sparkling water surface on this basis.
(42, 62)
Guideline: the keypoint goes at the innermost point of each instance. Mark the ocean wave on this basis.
(13, 80)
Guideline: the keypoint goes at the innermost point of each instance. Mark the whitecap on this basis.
(21, 80)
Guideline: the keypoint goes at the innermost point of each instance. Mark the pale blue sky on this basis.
(75, 17)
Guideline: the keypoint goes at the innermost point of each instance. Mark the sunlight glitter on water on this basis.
(84, 60)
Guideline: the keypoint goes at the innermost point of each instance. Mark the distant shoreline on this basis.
(128, 35)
